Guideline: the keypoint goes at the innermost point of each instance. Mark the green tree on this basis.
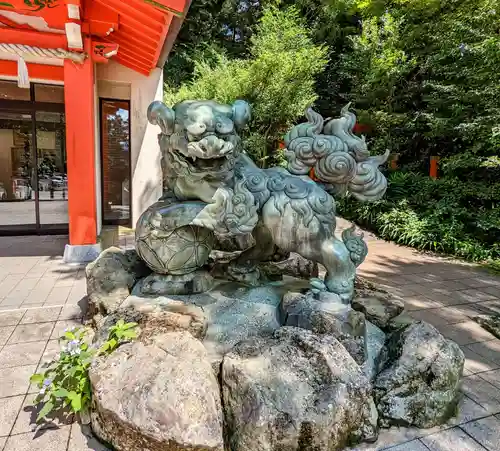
(277, 79)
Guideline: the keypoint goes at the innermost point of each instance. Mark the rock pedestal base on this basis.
(295, 368)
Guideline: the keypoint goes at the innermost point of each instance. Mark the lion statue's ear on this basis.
(160, 114)
(242, 113)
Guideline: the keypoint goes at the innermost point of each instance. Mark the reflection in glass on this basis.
(17, 205)
(115, 148)
(49, 93)
(52, 175)
(10, 91)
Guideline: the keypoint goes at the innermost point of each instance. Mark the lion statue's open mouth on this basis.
(210, 154)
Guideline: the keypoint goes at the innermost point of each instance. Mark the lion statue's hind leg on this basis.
(300, 225)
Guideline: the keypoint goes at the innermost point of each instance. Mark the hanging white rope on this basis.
(24, 50)
(23, 79)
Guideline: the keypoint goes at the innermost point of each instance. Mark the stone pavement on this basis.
(40, 296)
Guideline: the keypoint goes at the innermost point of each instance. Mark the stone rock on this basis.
(374, 344)
(294, 391)
(164, 315)
(110, 279)
(158, 397)
(294, 266)
(307, 312)
(400, 321)
(378, 307)
(231, 313)
(419, 379)
(489, 322)
(165, 284)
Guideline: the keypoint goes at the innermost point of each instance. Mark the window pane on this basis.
(49, 93)
(52, 179)
(115, 149)
(10, 91)
(17, 199)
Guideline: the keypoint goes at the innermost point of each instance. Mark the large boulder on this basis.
(419, 378)
(111, 277)
(378, 306)
(158, 397)
(160, 315)
(322, 316)
(374, 343)
(295, 390)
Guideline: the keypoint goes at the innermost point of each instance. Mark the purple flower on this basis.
(47, 382)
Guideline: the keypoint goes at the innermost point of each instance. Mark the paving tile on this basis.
(451, 440)
(29, 303)
(493, 377)
(71, 312)
(476, 282)
(439, 316)
(31, 332)
(58, 295)
(21, 354)
(476, 363)
(485, 431)
(494, 291)
(465, 333)
(11, 318)
(81, 439)
(15, 381)
(37, 296)
(5, 333)
(482, 392)
(2, 442)
(62, 325)
(12, 303)
(415, 445)
(51, 351)
(41, 315)
(419, 302)
(26, 420)
(491, 307)
(473, 295)
(46, 440)
(467, 410)
(9, 408)
(391, 437)
(488, 349)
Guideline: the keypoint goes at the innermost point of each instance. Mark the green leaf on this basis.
(130, 334)
(28, 2)
(37, 378)
(60, 393)
(69, 335)
(76, 402)
(112, 343)
(46, 409)
(8, 5)
(129, 326)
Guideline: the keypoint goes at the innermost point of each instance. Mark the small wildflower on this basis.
(47, 382)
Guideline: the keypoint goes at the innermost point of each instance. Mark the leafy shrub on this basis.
(277, 79)
(65, 382)
(447, 215)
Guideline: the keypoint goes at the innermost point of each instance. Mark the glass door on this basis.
(17, 174)
(33, 182)
(51, 170)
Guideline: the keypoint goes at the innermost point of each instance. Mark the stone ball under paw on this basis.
(168, 242)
